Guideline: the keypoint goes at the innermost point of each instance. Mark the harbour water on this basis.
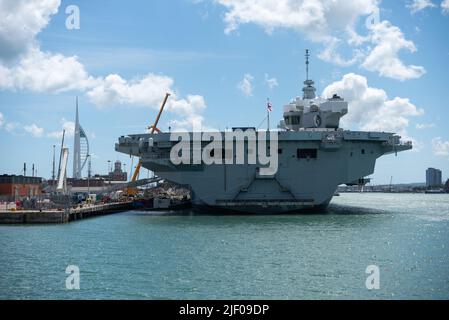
(149, 255)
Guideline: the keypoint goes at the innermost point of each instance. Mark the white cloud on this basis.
(148, 91)
(331, 23)
(445, 6)
(370, 108)
(330, 52)
(246, 85)
(393, 116)
(38, 71)
(191, 109)
(322, 21)
(316, 19)
(39, 132)
(187, 123)
(114, 90)
(418, 5)
(2, 119)
(421, 126)
(193, 104)
(11, 126)
(389, 40)
(55, 134)
(34, 130)
(68, 126)
(24, 66)
(271, 82)
(440, 147)
(21, 21)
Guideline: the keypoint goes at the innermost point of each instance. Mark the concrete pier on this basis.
(62, 216)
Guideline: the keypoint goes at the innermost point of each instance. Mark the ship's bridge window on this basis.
(292, 120)
(306, 153)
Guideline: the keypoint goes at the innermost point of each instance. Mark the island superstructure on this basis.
(314, 156)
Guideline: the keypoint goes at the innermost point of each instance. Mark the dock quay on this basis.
(62, 216)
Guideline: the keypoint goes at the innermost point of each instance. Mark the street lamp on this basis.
(88, 177)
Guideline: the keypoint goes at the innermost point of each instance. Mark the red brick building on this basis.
(20, 186)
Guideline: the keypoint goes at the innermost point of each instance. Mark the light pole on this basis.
(88, 176)
(53, 177)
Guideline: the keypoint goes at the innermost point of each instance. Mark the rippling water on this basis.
(148, 255)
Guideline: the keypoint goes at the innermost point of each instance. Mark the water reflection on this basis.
(332, 209)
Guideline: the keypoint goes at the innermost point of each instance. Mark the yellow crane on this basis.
(153, 128)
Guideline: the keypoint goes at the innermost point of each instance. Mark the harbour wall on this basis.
(62, 216)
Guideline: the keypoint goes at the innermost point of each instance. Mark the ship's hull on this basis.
(309, 169)
(261, 208)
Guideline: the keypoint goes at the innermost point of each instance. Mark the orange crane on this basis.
(153, 128)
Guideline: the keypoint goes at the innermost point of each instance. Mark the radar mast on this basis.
(308, 89)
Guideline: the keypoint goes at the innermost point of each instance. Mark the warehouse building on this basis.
(20, 186)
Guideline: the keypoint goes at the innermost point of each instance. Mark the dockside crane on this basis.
(152, 128)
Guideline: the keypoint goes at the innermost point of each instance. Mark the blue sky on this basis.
(126, 54)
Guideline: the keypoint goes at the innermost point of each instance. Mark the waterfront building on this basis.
(20, 186)
(433, 177)
(117, 174)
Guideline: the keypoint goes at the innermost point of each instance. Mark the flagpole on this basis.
(268, 115)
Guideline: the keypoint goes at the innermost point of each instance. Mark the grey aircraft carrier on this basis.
(313, 156)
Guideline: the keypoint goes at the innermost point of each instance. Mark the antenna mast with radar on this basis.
(308, 89)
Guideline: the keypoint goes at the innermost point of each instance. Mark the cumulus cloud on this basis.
(246, 85)
(332, 23)
(186, 124)
(68, 126)
(148, 91)
(38, 71)
(24, 66)
(330, 52)
(34, 130)
(114, 90)
(440, 147)
(315, 19)
(39, 132)
(11, 126)
(389, 40)
(191, 120)
(21, 21)
(2, 119)
(418, 5)
(421, 126)
(271, 82)
(445, 6)
(193, 104)
(371, 108)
